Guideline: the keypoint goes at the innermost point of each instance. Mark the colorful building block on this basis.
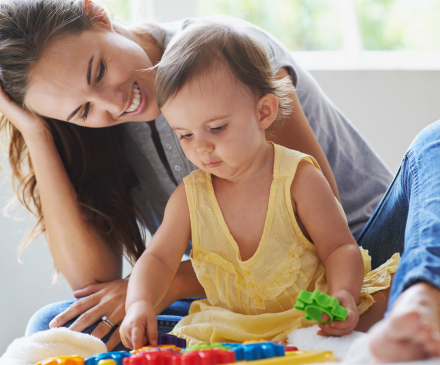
(316, 303)
(290, 349)
(213, 356)
(171, 348)
(207, 346)
(63, 360)
(153, 358)
(262, 350)
(116, 356)
(166, 339)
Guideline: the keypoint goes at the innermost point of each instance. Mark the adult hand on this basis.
(340, 328)
(139, 326)
(25, 121)
(98, 300)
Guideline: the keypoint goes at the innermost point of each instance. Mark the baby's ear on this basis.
(97, 14)
(267, 107)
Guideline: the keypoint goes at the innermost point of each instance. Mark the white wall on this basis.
(388, 107)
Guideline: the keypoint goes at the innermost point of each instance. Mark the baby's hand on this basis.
(340, 328)
(139, 326)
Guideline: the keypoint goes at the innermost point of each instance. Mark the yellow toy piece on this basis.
(253, 341)
(63, 360)
(294, 358)
(157, 348)
(107, 362)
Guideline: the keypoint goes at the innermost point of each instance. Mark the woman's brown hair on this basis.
(207, 44)
(94, 158)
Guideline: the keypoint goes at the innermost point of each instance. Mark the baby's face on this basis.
(217, 121)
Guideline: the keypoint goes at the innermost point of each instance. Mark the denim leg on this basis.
(421, 258)
(165, 321)
(384, 233)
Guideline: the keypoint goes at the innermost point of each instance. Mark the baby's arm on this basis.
(319, 213)
(154, 271)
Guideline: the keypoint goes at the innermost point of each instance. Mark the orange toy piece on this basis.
(171, 348)
(63, 360)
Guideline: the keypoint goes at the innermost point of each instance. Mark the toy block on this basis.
(166, 339)
(262, 350)
(290, 348)
(238, 348)
(171, 348)
(116, 356)
(63, 360)
(316, 303)
(154, 358)
(206, 346)
(213, 356)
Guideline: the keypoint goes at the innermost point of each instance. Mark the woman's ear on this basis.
(267, 107)
(97, 14)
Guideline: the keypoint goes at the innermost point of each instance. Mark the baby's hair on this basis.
(202, 45)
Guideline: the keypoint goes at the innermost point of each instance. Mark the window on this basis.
(324, 33)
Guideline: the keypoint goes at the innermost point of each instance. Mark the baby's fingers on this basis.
(152, 330)
(138, 337)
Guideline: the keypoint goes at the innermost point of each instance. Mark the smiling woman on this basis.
(66, 70)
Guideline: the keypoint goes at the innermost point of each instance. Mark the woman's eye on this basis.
(101, 71)
(185, 136)
(86, 112)
(218, 129)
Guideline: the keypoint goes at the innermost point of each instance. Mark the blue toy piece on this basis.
(116, 356)
(255, 351)
(238, 348)
(316, 303)
(166, 339)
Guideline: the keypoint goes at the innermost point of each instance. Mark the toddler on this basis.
(263, 220)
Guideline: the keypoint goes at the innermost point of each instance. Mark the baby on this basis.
(263, 220)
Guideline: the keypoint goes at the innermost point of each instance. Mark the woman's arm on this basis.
(78, 251)
(295, 133)
(316, 207)
(154, 272)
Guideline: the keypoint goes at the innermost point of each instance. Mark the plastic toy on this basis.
(116, 356)
(316, 303)
(207, 346)
(290, 349)
(166, 339)
(63, 360)
(171, 348)
(213, 356)
(296, 358)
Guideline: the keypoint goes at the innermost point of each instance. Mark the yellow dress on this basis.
(255, 298)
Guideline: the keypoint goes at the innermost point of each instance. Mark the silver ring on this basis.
(107, 322)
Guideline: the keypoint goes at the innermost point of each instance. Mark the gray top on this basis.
(361, 176)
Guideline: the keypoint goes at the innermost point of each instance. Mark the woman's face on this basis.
(94, 79)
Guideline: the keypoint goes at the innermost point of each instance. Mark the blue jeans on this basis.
(407, 220)
(165, 321)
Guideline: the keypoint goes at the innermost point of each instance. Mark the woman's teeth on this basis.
(136, 99)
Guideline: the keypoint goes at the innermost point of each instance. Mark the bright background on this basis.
(377, 60)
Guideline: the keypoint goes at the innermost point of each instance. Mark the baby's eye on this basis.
(185, 136)
(218, 129)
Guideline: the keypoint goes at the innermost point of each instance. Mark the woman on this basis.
(69, 67)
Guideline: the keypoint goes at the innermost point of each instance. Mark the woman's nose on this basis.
(111, 101)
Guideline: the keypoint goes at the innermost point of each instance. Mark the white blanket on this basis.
(54, 342)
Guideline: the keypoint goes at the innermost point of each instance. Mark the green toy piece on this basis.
(206, 346)
(316, 303)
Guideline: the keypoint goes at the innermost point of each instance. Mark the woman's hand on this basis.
(98, 300)
(25, 121)
(139, 326)
(340, 328)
